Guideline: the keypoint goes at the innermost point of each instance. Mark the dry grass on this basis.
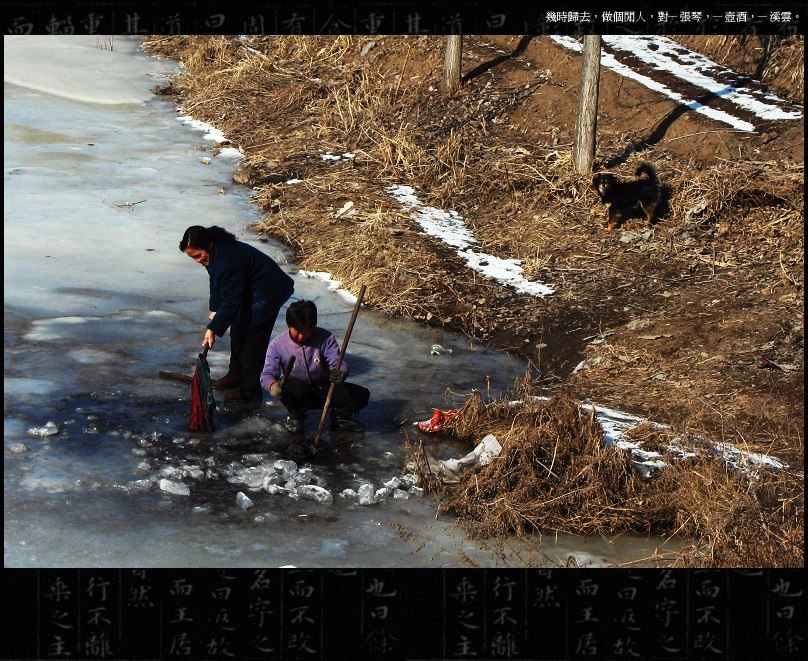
(555, 474)
(283, 98)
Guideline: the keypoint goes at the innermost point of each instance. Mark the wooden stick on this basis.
(177, 376)
(339, 362)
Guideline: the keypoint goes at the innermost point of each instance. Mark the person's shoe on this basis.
(345, 422)
(227, 382)
(239, 395)
(293, 425)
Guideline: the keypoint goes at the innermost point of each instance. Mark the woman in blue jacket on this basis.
(247, 290)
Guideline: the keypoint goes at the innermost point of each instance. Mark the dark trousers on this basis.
(299, 397)
(248, 349)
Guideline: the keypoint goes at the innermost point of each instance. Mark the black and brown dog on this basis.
(623, 197)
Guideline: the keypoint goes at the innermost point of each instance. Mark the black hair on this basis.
(200, 237)
(301, 315)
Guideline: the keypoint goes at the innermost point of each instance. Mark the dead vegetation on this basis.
(680, 322)
(555, 473)
(287, 100)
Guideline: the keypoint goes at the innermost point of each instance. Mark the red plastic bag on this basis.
(439, 419)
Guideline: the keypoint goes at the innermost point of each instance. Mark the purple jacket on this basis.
(314, 359)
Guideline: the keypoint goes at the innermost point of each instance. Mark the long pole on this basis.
(339, 362)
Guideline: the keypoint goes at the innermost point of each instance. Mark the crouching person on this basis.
(315, 352)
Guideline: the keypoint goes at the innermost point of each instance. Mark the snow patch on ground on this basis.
(610, 62)
(449, 227)
(666, 55)
(616, 424)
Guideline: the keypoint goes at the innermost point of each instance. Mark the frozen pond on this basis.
(101, 179)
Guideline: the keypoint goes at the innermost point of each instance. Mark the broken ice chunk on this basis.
(243, 501)
(170, 471)
(141, 484)
(367, 495)
(177, 488)
(192, 471)
(322, 496)
(437, 349)
(286, 466)
(17, 448)
(49, 429)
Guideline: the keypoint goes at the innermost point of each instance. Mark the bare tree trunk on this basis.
(586, 121)
(451, 63)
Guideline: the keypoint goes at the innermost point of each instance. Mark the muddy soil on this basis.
(697, 323)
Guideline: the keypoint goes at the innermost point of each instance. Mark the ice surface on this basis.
(26, 387)
(334, 548)
(80, 68)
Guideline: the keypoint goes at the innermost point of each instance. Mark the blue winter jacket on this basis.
(247, 287)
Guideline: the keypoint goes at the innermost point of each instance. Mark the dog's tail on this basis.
(650, 170)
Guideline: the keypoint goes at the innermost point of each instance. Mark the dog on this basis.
(624, 197)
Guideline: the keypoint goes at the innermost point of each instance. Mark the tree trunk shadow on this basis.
(486, 66)
(659, 131)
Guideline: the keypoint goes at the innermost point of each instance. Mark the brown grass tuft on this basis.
(556, 474)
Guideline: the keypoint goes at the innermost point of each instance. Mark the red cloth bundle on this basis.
(202, 400)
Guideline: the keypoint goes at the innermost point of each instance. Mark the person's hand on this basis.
(275, 389)
(336, 376)
(210, 338)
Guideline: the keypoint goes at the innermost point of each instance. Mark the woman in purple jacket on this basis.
(316, 352)
(247, 290)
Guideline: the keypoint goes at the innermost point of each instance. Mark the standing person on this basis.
(247, 290)
(315, 368)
